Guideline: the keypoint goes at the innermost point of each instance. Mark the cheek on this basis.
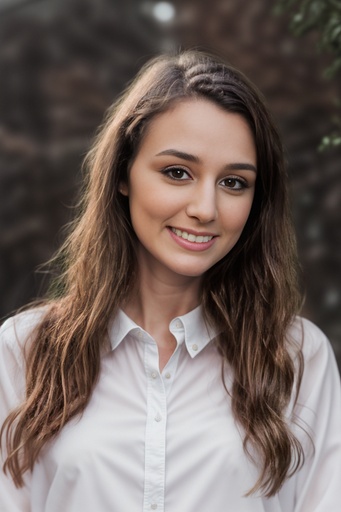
(144, 210)
(234, 218)
(154, 204)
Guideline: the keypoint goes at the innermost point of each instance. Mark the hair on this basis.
(251, 294)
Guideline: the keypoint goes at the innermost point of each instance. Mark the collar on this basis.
(197, 334)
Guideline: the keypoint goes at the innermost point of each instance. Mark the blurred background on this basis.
(63, 62)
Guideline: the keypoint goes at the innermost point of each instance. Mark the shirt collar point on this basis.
(119, 327)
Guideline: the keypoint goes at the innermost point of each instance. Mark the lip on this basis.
(192, 246)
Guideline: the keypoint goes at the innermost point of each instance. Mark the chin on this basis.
(190, 271)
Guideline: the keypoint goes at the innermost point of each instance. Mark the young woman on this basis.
(171, 372)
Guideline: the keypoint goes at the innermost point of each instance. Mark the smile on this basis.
(190, 237)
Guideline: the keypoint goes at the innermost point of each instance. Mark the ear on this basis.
(123, 188)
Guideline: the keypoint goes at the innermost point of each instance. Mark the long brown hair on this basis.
(251, 294)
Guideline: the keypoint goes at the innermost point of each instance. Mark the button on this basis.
(168, 375)
(154, 375)
(195, 347)
(153, 506)
(158, 417)
(178, 325)
(140, 334)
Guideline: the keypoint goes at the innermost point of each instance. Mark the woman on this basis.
(171, 372)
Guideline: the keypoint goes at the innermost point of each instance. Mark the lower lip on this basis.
(191, 246)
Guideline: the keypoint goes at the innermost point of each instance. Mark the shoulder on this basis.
(320, 368)
(14, 335)
(308, 338)
(17, 330)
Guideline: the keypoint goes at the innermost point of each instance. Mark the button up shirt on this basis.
(167, 441)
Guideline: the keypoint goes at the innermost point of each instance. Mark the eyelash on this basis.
(168, 170)
(240, 181)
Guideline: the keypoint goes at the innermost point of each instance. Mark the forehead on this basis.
(201, 127)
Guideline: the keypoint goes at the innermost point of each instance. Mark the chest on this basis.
(154, 435)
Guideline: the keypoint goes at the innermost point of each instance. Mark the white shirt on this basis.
(168, 442)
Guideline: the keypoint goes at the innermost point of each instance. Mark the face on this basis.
(191, 187)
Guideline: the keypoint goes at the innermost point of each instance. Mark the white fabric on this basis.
(168, 442)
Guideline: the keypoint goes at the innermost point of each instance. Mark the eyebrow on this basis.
(240, 166)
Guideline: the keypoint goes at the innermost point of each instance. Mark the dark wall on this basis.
(63, 62)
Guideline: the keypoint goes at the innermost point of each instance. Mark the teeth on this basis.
(192, 238)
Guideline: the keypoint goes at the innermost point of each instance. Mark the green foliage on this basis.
(330, 141)
(324, 18)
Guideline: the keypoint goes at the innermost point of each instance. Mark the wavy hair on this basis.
(251, 294)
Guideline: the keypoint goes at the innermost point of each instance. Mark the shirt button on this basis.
(154, 375)
(153, 506)
(195, 347)
(168, 375)
(178, 325)
(158, 417)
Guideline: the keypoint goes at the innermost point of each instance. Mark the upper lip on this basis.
(193, 232)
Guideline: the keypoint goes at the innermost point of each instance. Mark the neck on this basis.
(158, 298)
(154, 304)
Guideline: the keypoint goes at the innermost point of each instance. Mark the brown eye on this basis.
(234, 183)
(176, 173)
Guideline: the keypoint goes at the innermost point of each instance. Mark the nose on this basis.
(202, 204)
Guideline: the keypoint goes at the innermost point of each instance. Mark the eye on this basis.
(234, 183)
(176, 173)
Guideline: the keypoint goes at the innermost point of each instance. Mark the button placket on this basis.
(155, 439)
(169, 371)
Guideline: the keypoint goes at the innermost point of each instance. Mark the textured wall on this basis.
(63, 62)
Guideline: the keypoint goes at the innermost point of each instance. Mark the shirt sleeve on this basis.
(318, 483)
(12, 383)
